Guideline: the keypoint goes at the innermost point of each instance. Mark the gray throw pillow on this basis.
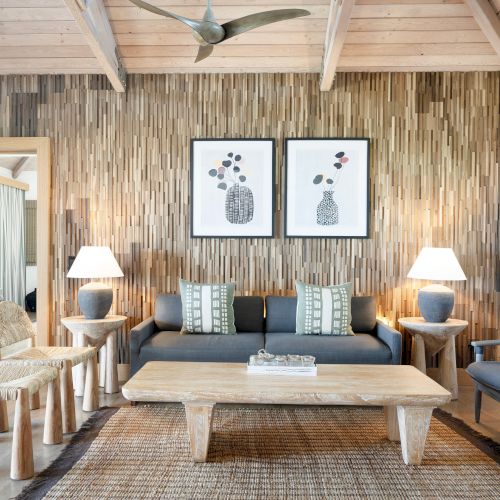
(207, 308)
(323, 310)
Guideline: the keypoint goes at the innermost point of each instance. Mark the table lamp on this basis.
(437, 264)
(95, 298)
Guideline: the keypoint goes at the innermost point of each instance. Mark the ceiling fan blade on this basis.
(209, 13)
(247, 23)
(203, 52)
(209, 31)
(192, 23)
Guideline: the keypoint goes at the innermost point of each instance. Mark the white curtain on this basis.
(12, 248)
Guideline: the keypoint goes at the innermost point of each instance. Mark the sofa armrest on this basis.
(479, 346)
(140, 333)
(392, 338)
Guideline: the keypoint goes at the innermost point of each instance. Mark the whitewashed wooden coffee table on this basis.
(407, 395)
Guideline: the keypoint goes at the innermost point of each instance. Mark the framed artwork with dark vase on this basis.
(232, 188)
(327, 188)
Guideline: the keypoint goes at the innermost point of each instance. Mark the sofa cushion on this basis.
(248, 313)
(361, 348)
(281, 312)
(173, 346)
(323, 310)
(364, 314)
(486, 373)
(168, 312)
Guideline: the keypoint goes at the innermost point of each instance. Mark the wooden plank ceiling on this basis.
(42, 36)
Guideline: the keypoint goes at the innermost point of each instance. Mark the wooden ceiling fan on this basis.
(208, 32)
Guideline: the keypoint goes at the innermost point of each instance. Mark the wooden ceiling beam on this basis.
(20, 166)
(336, 31)
(486, 17)
(92, 19)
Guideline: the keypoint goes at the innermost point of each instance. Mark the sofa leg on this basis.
(477, 404)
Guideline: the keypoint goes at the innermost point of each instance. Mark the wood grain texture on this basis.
(370, 385)
(21, 462)
(391, 421)
(44, 38)
(91, 392)
(414, 424)
(199, 425)
(121, 178)
(53, 428)
(67, 398)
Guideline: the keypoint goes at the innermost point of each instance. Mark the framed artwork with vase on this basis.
(327, 187)
(232, 188)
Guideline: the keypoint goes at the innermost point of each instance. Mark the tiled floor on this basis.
(463, 408)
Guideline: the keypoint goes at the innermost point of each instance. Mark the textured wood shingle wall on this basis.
(121, 178)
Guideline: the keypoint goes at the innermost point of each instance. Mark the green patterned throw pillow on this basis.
(207, 308)
(323, 310)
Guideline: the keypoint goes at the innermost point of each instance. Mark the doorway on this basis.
(25, 267)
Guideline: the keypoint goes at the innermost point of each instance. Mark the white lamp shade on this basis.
(95, 262)
(437, 264)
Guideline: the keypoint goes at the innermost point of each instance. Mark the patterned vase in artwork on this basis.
(239, 204)
(327, 211)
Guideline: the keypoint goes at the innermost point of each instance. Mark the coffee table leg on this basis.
(199, 425)
(414, 424)
(448, 367)
(391, 420)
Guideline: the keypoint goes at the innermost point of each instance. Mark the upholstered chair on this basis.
(16, 330)
(484, 374)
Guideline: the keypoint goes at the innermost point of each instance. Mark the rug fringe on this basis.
(73, 451)
(487, 445)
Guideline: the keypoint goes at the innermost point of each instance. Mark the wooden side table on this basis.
(431, 338)
(100, 333)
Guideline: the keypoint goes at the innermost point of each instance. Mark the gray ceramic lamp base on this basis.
(95, 300)
(436, 303)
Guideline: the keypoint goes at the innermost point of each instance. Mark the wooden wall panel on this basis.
(121, 178)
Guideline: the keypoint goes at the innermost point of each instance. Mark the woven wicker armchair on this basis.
(15, 326)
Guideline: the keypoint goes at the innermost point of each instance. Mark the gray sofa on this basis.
(158, 338)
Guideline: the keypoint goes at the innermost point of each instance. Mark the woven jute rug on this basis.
(142, 452)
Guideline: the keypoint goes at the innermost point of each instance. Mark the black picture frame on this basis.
(286, 155)
(193, 200)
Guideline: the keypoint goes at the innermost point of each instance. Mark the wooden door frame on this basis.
(41, 146)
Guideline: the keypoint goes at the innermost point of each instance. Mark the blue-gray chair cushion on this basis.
(486, 373)
(172, 346)
(281, 314)
(248, 313)
(362, 348)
